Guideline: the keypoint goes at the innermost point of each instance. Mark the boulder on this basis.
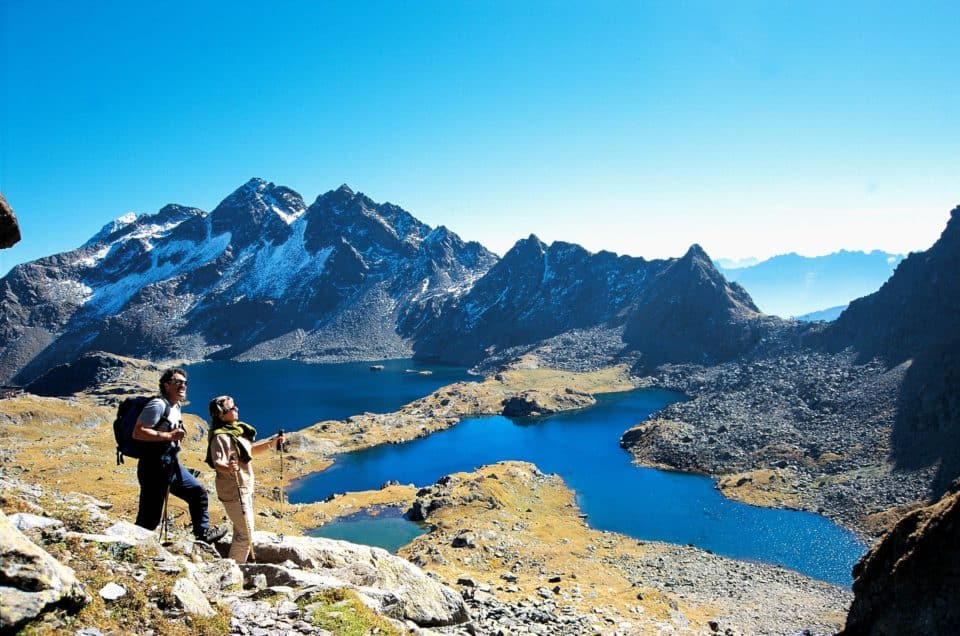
(32, 581)
(191, 598)
(9, 229)
(218, 576)
(422, 600)
(130, 533)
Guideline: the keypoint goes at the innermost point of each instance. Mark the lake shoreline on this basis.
(683, 585)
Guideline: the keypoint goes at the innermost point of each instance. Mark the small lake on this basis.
(275, 394)
(387, 528)
(582, 447)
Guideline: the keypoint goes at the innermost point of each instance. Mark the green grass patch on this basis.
(341, 612)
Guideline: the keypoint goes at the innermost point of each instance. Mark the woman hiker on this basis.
(230, 451)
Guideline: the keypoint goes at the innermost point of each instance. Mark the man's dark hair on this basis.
(168, 375)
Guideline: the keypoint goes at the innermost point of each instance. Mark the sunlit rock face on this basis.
(908, 583)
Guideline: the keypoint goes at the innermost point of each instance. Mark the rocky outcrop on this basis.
(31, 581)
(97, 373)
(908, 583)
(288, 568)
(533, 403)
(86, 372)
(418, 597)
(9, 229)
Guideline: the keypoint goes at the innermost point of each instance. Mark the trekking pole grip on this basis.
(279, 443)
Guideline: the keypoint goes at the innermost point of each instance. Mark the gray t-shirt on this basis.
(152, 413)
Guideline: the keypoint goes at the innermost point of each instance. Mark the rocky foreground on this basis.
(121, 579)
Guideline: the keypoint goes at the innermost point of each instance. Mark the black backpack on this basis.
(128, 412)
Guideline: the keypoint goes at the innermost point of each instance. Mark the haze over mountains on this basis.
(812, 287)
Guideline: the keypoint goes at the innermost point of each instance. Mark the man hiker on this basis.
(160, 473)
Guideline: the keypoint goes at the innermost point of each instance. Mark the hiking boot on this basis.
(212, 535)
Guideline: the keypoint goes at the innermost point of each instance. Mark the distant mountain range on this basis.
(264, 276)
(791, 285)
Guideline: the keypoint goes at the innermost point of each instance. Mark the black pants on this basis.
(154, 473)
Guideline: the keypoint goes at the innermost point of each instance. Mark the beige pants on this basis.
(242, 527)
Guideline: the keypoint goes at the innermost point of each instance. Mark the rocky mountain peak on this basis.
(696, 254)
(373, 229)
(525, 249)
(691, 313)
(255, 206)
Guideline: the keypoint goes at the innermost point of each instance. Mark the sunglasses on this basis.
(178, 382)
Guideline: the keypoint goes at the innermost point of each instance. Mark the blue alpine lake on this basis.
(582, 447)
(289, 395)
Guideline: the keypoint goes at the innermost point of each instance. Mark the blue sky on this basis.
(752, 128)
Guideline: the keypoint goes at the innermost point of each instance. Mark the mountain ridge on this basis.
(261, 267)
(265, 276)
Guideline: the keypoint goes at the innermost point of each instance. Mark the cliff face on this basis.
(915, 319)
(918, 308)
(909, 582)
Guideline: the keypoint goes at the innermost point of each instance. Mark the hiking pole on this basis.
(280, 448)
(165, 524)
(243, 504)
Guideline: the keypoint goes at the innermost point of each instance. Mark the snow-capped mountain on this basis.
(261, 276)
(264, 276)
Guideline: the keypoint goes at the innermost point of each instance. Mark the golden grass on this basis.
(768, 487)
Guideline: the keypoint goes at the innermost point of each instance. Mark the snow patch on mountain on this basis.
(69, 292)
(92, 260)
(167, 261)
(273, 270)
(287, 218)
(111, 227)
